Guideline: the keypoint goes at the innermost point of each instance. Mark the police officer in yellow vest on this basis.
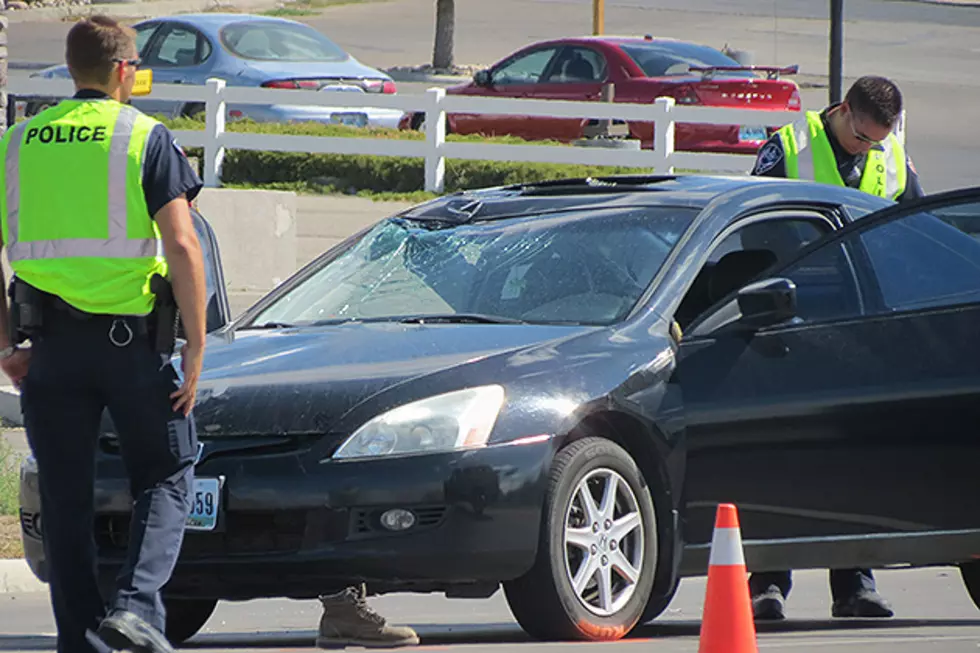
(852, 143)
(95, 216)
(848, 144)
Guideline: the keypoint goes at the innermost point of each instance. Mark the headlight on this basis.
(456, 420)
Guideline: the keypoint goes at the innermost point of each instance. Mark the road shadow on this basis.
(18, 642)
(693, 628)
(511, 633)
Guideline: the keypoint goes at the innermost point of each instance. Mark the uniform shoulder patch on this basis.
(770, 155)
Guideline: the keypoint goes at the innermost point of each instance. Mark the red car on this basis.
(641, 69)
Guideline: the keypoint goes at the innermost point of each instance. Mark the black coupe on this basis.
(549, 387)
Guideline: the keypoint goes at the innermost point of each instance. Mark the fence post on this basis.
(435, 136)
(214, 129)
(663, 134)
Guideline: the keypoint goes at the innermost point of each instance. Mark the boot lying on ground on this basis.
(348, 621)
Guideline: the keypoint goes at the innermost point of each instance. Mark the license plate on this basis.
(205, 502)
(752, 133)
(349, 119)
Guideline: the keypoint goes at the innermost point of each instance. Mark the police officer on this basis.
(92, 189)
(847, 144)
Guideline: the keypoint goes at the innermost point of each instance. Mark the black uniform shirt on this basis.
(167, 174)
(771, 162)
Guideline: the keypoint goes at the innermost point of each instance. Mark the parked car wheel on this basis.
(970, 572)
(597, 555)
(185, 617)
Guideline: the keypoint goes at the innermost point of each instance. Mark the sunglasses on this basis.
(135, 63)
(858, 135)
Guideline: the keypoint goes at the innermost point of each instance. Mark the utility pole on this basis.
(836, 51)
(598, 16)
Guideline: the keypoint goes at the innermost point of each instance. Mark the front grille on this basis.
(249, 533)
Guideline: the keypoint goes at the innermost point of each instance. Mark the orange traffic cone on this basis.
(727, 625)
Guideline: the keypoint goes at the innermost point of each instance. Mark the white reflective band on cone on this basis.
(726, 548)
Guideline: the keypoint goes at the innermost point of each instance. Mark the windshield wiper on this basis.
(460, 318)
(269, 325)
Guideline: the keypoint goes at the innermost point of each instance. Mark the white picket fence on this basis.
(434, 149)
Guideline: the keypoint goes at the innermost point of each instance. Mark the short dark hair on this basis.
(876, 97)
(93, 47)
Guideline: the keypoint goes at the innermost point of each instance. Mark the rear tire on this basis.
(186, 617)
(591, 580)
(970, 572)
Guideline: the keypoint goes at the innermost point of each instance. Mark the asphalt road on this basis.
(935, 614)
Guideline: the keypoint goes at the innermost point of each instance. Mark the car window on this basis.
(577, 65)
(926, 259)
(525, 69)
(143, 34)
(743, 256)
(180, 47)
(272, 41)
(586, 267)
(663, 59)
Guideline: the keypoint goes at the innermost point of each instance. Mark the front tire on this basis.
(598, 550)
(185, 617)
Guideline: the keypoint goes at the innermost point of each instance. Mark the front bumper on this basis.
(289, 526)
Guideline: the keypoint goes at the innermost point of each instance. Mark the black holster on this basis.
(164, 322)
(26, 310)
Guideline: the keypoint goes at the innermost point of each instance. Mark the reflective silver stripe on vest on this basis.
(117, 245)
(804, 160)
(11, 174)
(891, 169)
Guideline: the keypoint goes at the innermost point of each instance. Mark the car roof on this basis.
(623, 40)
(212, 22)
(691, 191)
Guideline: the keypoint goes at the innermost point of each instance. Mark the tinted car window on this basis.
(577, 65)
(922, 261)
(668, 59)
(268, 41)
(588, 267)
(526, 69)
(179, 48)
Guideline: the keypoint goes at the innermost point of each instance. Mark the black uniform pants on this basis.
(75, 373)
(844, 583)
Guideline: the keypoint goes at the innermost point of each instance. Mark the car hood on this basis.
(303, 381)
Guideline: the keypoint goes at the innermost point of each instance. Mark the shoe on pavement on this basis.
(348, 621)
(768, 606)
(864, 604)
(122, 630)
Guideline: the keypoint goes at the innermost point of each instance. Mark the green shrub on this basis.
(375, 174)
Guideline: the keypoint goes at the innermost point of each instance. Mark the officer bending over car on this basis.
(852, 144)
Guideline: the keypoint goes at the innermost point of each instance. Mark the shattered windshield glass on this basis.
(583, 267)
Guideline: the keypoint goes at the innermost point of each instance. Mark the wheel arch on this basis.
(651, 451)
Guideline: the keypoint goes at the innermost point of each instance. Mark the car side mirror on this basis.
(767, 302)
(482, 78)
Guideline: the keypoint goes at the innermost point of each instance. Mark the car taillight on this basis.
(389, 88)
(795, 104)
(311, 84)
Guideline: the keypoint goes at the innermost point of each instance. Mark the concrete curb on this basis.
(17, 578)
(10, 406)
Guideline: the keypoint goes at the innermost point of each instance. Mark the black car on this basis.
(549, 387)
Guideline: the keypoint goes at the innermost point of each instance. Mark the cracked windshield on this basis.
(587, 270)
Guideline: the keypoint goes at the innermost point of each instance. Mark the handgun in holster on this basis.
(165, 315)
(26, 310)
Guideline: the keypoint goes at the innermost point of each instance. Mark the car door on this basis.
(855, 417)
(577, 74)
(180, 54)
(218, 311)
(515, 77)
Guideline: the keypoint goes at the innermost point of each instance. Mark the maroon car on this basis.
(641, 70)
